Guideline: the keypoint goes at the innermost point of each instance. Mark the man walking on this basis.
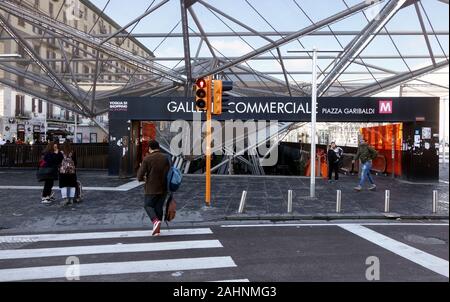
(153, 171)
(365, 154)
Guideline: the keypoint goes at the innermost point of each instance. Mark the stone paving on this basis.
(266, 199)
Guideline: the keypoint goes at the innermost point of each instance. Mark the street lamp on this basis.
(314, 114)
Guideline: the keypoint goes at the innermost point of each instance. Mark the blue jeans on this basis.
(365, 174)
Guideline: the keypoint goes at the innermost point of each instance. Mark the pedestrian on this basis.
(68, 174)
(153, 171)
(333, 162)
(365, 154)
(48, 171)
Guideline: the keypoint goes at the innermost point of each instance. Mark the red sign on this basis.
(385, 107)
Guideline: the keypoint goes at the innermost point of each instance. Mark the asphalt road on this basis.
(293, 253)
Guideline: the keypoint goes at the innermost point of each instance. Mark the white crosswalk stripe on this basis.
(46, 251)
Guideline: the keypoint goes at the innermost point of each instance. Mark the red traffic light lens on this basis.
(201, 83)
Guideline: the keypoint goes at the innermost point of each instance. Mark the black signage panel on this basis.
(287, 109)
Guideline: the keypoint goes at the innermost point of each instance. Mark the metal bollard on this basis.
(290, 195)
(242, 204)
(338, 201)
(435, 200)
(387, 201)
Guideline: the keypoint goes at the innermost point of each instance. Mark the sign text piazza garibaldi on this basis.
(284, 109)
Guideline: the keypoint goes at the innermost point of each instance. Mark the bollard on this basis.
(242, 204)
(387, 201)
(338, 201)
(435, 200)
(290, 195)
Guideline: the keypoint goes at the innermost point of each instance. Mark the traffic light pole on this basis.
(208, 156)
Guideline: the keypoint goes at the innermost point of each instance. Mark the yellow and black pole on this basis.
(203, 102)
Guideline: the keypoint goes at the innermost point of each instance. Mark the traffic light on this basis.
(203, 94)
(220, 100)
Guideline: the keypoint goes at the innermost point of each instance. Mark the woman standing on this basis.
(333, 163)
(48, 171)
(68, 174)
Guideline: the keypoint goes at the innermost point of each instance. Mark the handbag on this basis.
(44, 173)
(171, 209)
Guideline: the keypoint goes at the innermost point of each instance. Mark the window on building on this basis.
(94, 18)
(64, 17)
(66, 115)
(49, 111)
(93, 138)
(76, 24)
(40, 106)
(37, 4)
(33, 105)
(50, 9)
(20, 105)
(21, 22)
(85, 13)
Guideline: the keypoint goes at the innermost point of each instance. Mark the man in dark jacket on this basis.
(153, 171)
(333, 163)
(365, 154)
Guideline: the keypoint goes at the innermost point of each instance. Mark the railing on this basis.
(89, 156)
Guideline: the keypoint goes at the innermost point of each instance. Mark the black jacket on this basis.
(332, 157)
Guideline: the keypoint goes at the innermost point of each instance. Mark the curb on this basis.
(287, 217)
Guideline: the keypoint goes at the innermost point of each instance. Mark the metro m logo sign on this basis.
(385, 107)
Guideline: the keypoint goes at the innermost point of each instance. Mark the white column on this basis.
(313, 124)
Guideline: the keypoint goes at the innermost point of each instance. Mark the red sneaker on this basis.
(156, 228)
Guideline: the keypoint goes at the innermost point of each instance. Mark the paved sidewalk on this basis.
(267, 199)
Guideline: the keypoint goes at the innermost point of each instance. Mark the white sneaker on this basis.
(46, 200)
(156, 228)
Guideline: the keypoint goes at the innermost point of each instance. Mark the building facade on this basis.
(29, 119)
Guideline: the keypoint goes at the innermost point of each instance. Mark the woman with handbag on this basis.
(68, 174)
(48, 171)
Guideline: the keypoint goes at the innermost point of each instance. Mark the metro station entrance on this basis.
(405, 132)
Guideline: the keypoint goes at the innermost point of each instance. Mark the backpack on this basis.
(174, 178)
(67, 165)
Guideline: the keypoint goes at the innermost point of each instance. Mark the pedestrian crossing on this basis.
(115, 254)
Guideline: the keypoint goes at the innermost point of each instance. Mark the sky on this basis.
(282, 15)
(292, 15)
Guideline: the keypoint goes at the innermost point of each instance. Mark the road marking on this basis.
(232, 281)
(328, 224)
(123, 188)
(116, 268)
(108, 249)
(426, 260)
(129, 186)
(100, 235)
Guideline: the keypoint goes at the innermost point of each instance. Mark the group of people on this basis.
(365, 154)
(58, 164)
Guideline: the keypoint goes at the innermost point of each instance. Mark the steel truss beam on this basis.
(395, 80)
(186, 44)
(321, 33)
(57, 27)
(62, 103)
(359, 43)
(315, 27)
(44, 66)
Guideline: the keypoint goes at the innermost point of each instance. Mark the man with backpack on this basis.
(365, 154)
(154, 171)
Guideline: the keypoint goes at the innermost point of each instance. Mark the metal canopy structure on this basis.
(369, 51)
